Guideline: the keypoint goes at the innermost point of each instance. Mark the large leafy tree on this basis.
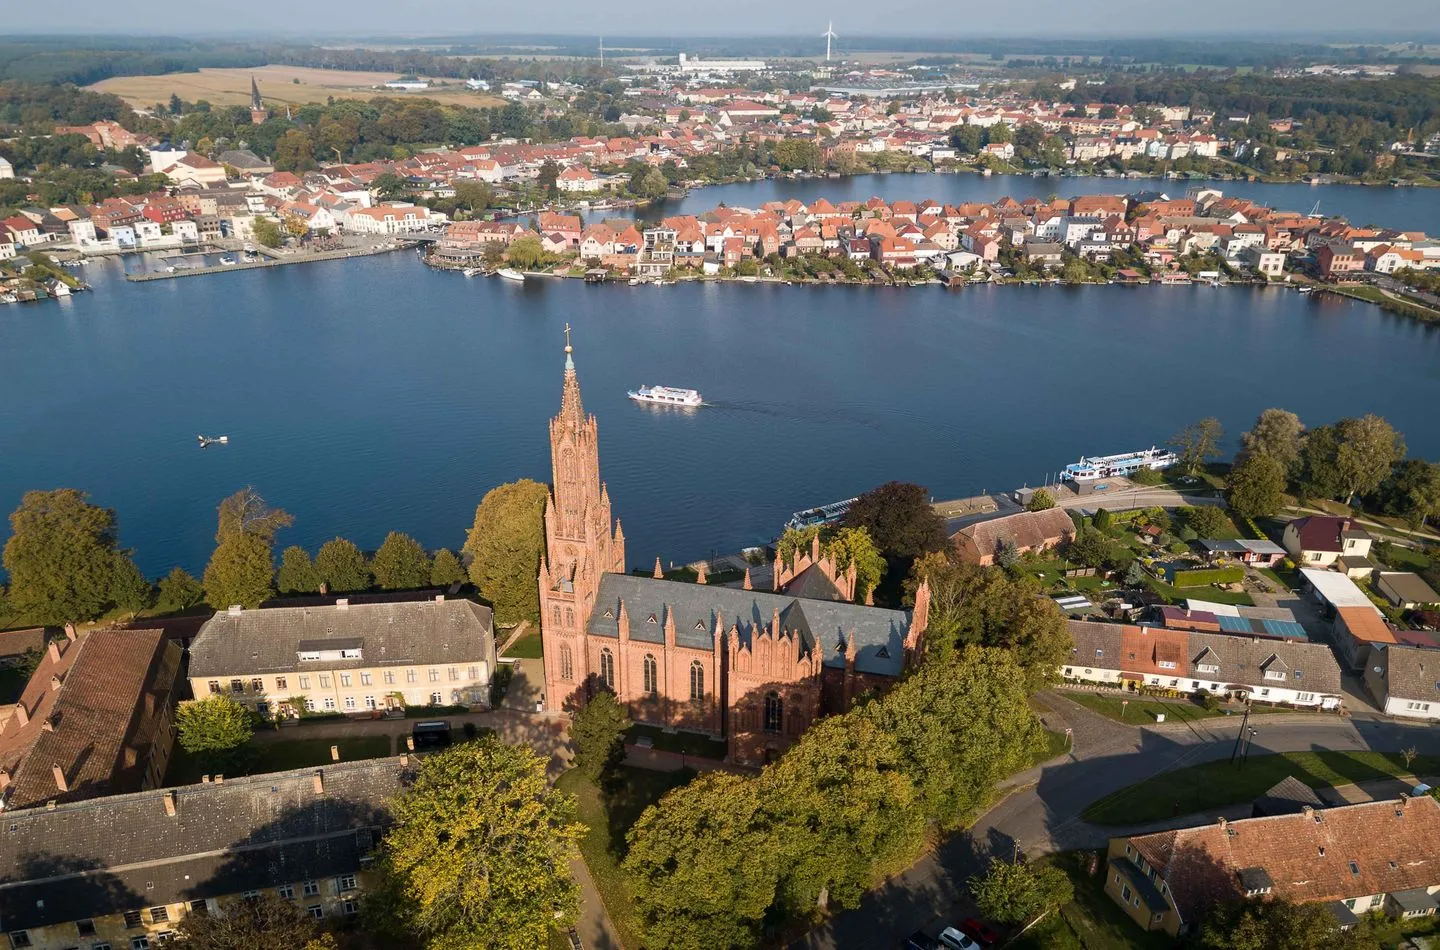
(598, 732)
(1279, 434)
(479, 852)
(297, 572)
(129, 589)
(1412, 491)
(179, 591)
(401, 563)
(704, 865)
(505, 544)
(1197, 443)
(1255, 487)
(446, 569)
(1369, 448)
(1320, 475)
(263, 923)
(1089, 547)
(242, 568)
(214, 724)
(855, 546)
(1015, 893)
(900, 520)
(342, 566)
(61, 557)
(1267, 923)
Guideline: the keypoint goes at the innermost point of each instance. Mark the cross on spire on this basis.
(569, 361)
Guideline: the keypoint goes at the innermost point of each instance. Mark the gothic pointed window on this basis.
(567, 664)
(555, 615)
(607, 669)
(774, 712)
(650, 676)
(697, 681)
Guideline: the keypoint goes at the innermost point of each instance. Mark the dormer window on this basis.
(346, 648)
(699, 625)
(651, 619)
(1276, 675)
(608, 614)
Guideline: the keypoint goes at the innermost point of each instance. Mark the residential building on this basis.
(391, 219)
(347, 658)
(1375, 856)
(1264, 262)
(1335, 260)
(1405, 680)
(1260, 552)
(1027, 530)
(1356, 623)
(1405, 589)
(94, 719)
(1321, 540)
(147, 859)
(1232, 666)
(7, 170)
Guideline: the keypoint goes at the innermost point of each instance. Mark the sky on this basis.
(1171, 19)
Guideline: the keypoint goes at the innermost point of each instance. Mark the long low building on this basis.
(347, 658)
(1028, 531)
(121, 871)
(1238, 667)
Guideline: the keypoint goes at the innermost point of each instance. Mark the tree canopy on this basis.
(401, 563)
(1267, 923)
(505, 544)
(266, 922)
(1255, 487)
(1015, 893)
(446, 569)
(342, 566)
(1042, 500)
(1197, 443)
(241, 572)
(61, 557)
(1279, 434)
(297, 572)
(598, 732)
(899, 519)
(213, 724)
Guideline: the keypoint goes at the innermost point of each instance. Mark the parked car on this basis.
(979, 931)
(919, 940)
(952, 939)
(434, 734)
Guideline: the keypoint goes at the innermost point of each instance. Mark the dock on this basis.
(275, 260)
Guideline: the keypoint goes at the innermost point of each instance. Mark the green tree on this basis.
(1197, 443)
(1412, 491)
(854, 546)
(1279, 434)
(649, 183)
(797, 153)
(1042, 500)
(547, 177)
(1135, 575)
(1015, 893)
(900, 520)
(446, 569)
(294, 152)
(342, 567)
(401, 563)
(474, 195)
(1320, 475)
(1088, 547)
(704, 865)
(1102, 520)
(505, 544)
(479, 852)
(245, 512)
(242, 568)
(297, 572)
(129, 589)
(795, 542)
(1369, 448)
(1207, 521)
(389, 186)
(266, 922)
(61, 557)
(178, 591)
(526, 252)
(598, 732)
(216, 724)
(267, 232)
(1007, 553)
(1255, 487)
(1266, 923)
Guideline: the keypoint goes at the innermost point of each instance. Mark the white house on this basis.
(1405, 681)
(1321, 540)
(6, 169)
(391, 219)
(82, 231)
(577, 178)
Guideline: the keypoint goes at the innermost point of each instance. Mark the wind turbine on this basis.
(828, 35)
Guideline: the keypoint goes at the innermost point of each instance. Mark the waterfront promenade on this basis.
(273, 259)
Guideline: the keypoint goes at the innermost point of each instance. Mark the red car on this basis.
(981, 932)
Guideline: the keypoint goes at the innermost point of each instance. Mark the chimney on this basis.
(1223, 823)
(22, 714)
(439, 598)
(204, 780)
(318, 782)
(405, 759)
(4, 779)
(219, 779)
(1307, 810)
(54, 682)
(410, 743)
(334, 753)
(59, 774)
(54, 649)
(170, 804)
(70, 633)
(343, 603)
(235, 610)
(47, 726)
(131, 757)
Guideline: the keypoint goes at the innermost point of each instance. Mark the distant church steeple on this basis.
(258, 112)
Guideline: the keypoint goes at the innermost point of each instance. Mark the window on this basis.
(436, 699)
(85, 928)
(1165, 664)
(200, 907)
(286, 891)
(1265, 691)
(344, 679)
(139, 943)
(250, 896)
(1355, 868)
(1194, 684)
(132, 919)
(349, 702)
(348, 908)
(473, 673)
(434, 675)
(1207, 667)
(99, 946)
(329, 704)
(316, 911)
(774, 712)
(310, 888)
(1305, 698)
(237, 686)
(389, 677)
(310, 705)
(567, 664)
(409, 676)
(1276, 675)
(454, 675)
(369, 702)
(650, 677)
(346, 882)
(257, 685)
(262, 707)
(1315, 556)
(214, 687)
(20, 938)
(281, 683)
(1125, 893)
(365, 679)
(324, 680)
(607, 669)
(697, 681)
(304, 682)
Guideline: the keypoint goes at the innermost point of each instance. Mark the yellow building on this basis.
(347, 658)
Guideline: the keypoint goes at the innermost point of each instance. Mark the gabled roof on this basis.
(1411, 673)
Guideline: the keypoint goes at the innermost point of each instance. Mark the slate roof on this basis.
(1286, 797)
(823, 624)
(110, 855)
(413, 633)
(1411, 673)
(1354, 850)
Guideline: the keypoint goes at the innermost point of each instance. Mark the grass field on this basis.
(528, 647)
(1142, 709)
(1055, 745)
(1220, 784)
(261, 757)
(231, 87)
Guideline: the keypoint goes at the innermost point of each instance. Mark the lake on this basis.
(374, 394)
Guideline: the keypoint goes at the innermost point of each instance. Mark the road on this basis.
(1120, 499)
(1043, 813)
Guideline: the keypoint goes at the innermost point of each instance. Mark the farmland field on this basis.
(231, 87)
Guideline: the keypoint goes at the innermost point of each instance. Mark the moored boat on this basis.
(1110, 466)
(510, 273)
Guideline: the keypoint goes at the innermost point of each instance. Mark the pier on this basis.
(274, 259)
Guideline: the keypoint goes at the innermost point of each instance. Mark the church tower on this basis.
(580, 544)
(258, 112)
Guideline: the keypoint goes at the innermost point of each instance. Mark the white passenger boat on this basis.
(510, 273)
(1109, 466)
(666, 396)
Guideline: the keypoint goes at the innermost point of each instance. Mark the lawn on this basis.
(1055, 745)
(683, 743)
(1214, 594)
(260, 757)
(1091, 921)
(528, 647)
(1221, 784)
(608, 815)
(1141, 710)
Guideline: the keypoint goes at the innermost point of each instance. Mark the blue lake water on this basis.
(374, 394)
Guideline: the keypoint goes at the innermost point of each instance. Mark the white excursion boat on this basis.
(1109, 466)
(666, 396)
(510, 273)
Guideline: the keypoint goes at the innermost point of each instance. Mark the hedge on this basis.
(1203, 577)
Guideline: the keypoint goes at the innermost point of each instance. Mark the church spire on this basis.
(571, 410)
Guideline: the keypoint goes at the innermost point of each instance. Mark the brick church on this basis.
(754, 668)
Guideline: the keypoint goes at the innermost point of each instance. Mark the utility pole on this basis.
(1244, 725)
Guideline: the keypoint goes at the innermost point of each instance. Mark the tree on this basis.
(1320, 475)
(649, 183)
(526, 252)
(294, 152)
(479, 852)
(297, 572)
(1198, 442)
(796, 541)
(1369, 448)
(1255, 487)
(178, 591)
(1207, 521)
(1412, 491)
(704, 865)
(61, 557)
(475, 195)
(295, 225)
(1279, 434)
(1007, 553)
(129, 589)
(899, 519)
(854, 546)
(389, 186)
(598, 732)
(505, 544)
(1265, 923)
(1042, 500)
(267, 232)
(401, 563)
(266, 922)
(549, 174)
(1102, 520)
(1015, 893)
(446, 569)
(1135, 575)
(341, 566)
(245, 512)
(241, 572)
(1088, 547)
(216, 724)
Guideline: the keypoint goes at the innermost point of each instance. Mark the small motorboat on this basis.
(472, 272)
(227, 261)
(510, 273)
(207, 441)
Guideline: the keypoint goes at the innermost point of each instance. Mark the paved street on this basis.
(1042, 814)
